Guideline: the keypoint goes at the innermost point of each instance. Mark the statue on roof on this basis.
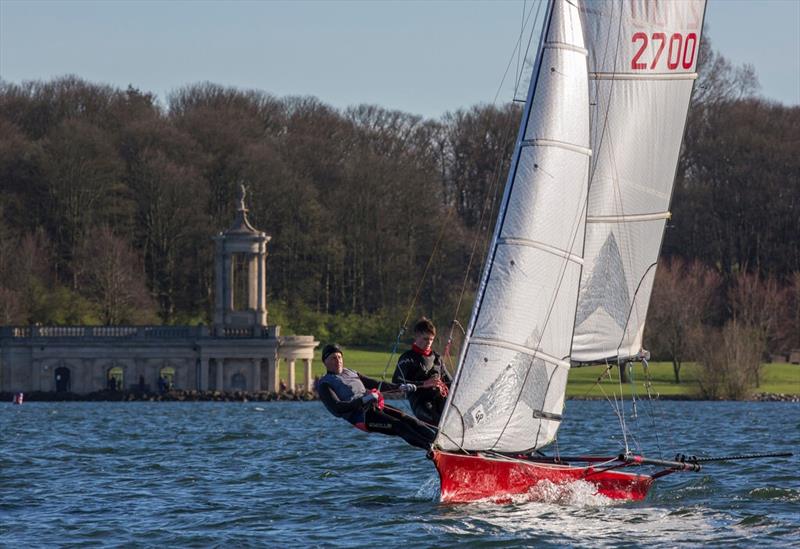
(242, 194)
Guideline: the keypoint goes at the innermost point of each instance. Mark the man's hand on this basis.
(373, 398)
(436, 383)
(408, 387)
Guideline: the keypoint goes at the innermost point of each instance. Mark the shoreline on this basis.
(266, 396)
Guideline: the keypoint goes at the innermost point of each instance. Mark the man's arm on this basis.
(335, 406)
(384, 386)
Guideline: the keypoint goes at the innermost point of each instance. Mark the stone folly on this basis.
(239, 352)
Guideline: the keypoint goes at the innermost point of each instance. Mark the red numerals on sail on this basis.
(681, 51)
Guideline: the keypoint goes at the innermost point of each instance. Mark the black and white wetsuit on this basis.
(341, 394)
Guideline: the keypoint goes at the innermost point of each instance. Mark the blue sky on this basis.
(421, 57)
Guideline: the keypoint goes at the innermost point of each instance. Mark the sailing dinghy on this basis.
(571, 264)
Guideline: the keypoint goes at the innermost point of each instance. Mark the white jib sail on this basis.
(642, 58)
(509, 390)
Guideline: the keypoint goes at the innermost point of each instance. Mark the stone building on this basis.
(239, 351)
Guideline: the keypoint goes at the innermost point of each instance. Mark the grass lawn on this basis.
(775, 378)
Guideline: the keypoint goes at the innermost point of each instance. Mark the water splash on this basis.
(429, 490)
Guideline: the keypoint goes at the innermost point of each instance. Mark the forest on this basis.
(110, 200)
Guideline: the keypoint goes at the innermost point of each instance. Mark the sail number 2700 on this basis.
(681, 50)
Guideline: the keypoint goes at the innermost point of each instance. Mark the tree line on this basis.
(110, 199)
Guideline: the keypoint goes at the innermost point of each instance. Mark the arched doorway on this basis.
(212, 374)
(115, 379)
(166, 379)
(264, 374)
(238, 382)
(62, 379)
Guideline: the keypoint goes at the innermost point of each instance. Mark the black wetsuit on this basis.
(341, 394)
(413, 367)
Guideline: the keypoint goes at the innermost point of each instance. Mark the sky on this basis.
(421, 57)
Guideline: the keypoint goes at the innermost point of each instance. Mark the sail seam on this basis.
(554, 143)
(541, 246)
(650, 76)
(520, 348)
(628, 218)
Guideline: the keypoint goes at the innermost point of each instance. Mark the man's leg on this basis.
(391, 421)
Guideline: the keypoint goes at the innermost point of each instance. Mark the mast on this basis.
(509, 389)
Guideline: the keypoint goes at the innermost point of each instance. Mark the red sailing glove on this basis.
(373, 398)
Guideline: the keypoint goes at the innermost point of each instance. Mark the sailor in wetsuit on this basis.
(355, 398)
(423, 367)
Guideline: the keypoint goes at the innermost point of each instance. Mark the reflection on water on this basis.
(247, 474)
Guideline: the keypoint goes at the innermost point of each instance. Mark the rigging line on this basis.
(651, 408)
(517, 48)
(520, 70)
(634, 398)
(622, 415)
(411, 306)
(615, 408)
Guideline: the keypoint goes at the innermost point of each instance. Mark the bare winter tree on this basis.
(114, 276)
(757, 306)
(682, 297)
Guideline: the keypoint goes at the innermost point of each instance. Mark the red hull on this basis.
(466, 478)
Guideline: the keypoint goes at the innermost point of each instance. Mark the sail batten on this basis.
(541, 246)
(636, 76)
(538, 353)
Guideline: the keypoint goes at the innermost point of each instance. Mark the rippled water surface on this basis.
(287, 473)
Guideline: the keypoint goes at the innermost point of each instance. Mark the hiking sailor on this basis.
(423, 367)
(356, 398)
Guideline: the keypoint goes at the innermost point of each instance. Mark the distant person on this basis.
(162, 385)
(356, 399)
(423, 367)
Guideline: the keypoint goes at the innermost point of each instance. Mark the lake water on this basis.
(287, 473)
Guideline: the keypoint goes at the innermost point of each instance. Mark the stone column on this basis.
(228, 287)
(252, 281)
(220, 378)
(256, 367)
(203, 374)
(273, 381)
(308, 374)
(36, 377)
(291, 382)
(260, 313)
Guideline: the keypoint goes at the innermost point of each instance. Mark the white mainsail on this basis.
(508, 394)
(642, 59)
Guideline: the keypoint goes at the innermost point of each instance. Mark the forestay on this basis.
(642, 58)
(509, 391)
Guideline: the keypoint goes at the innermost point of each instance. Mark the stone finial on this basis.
(242, 194)
(241, 223)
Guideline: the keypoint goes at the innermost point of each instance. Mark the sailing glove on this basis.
(408, 387)
(369, 398)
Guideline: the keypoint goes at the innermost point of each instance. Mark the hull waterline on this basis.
(465, 478)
